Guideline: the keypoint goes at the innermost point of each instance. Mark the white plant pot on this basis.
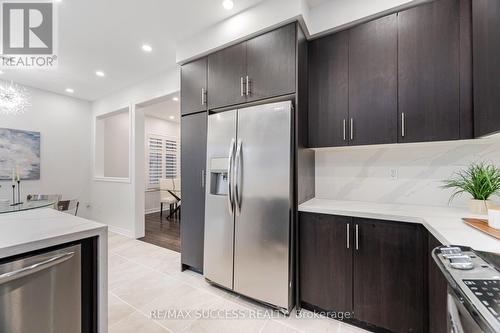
(479, 206)
(494, 217)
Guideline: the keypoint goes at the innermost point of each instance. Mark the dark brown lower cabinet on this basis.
(375, 269)
(326, 262)
(389, 266)
(437, 292)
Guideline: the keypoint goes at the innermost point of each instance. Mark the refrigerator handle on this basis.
(238, 174)
(230, 195)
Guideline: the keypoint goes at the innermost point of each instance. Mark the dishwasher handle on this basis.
(36, 267)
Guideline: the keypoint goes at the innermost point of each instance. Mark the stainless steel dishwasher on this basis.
(42, 293)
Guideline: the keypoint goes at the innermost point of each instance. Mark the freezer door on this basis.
(219, 217)
(263, 195)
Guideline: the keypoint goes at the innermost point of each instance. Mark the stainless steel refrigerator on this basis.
(248, 212)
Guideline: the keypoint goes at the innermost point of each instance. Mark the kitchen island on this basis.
(31, 232)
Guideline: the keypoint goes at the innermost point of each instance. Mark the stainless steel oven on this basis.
(42, 293)
(473, 289)
(460, 319)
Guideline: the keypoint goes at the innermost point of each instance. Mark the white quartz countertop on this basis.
(30, 230)
(444, 223)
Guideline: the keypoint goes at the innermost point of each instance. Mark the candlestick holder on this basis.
(13, 195)
(19, 202)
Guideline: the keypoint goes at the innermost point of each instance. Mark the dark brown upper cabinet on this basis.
(226, 76)
(429, 73)
(389, 281)
(262, 67)
(326, 261)
(328, 91)
(194, 93)
(271, 64)
(486, 51)
(373, 82)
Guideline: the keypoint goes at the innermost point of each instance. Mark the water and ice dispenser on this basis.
(219, 176)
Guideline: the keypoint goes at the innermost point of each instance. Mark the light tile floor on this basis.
(145, 278)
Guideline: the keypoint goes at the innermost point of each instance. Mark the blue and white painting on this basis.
(19, 150)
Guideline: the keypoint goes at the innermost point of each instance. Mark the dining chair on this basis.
(68, 206)
(167, 185)
(178, 194)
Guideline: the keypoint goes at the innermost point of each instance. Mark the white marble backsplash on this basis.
(364, 173)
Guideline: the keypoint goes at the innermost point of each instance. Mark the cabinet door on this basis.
(437, 292)
(389, 275)
(325, 261)
(428, 71)
(193, 162)
(226, 70)
(373, 82)
(194, 86)
(328, 91)
(486, 51)
(271, 63)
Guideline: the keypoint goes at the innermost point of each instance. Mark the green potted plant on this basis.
(480, 180)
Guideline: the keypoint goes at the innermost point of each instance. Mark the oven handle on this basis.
(453, 316)
(37, 267)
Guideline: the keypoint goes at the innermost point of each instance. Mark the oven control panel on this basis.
(475, 280)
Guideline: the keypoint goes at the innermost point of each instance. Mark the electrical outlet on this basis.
(394, 174)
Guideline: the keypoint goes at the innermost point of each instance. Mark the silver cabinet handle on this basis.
(348, 226)
(352, 129)
(248, 86)
(344, 124)
(37, 267)
(203, 96)
(357, 237)
(242, 89)
(202, 178)
(403, 124)
(238, 176)
(230, 201)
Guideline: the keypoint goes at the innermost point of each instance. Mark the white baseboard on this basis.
(121, 231)
(154, 210)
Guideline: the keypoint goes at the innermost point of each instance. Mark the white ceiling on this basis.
(165, 108)
(107, 35)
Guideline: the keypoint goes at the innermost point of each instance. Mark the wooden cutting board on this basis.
(483, 226)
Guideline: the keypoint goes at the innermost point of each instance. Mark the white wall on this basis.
(116, 145)
(364, 173)
(336, 13)
(329, 15)
(114, 203)
(157, 126)
(261, 17)
(65, 125)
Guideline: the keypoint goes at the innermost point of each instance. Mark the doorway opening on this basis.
(160, 123)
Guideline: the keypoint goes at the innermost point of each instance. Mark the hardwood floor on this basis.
(166, 234)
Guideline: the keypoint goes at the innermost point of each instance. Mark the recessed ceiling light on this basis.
(70, 90)
(171, 117)
(1, 72)
(228, 4)
(175, 99)
(147, 48)
(100, 73)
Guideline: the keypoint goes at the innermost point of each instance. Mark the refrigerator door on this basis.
(219, 207)
(264, 205)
